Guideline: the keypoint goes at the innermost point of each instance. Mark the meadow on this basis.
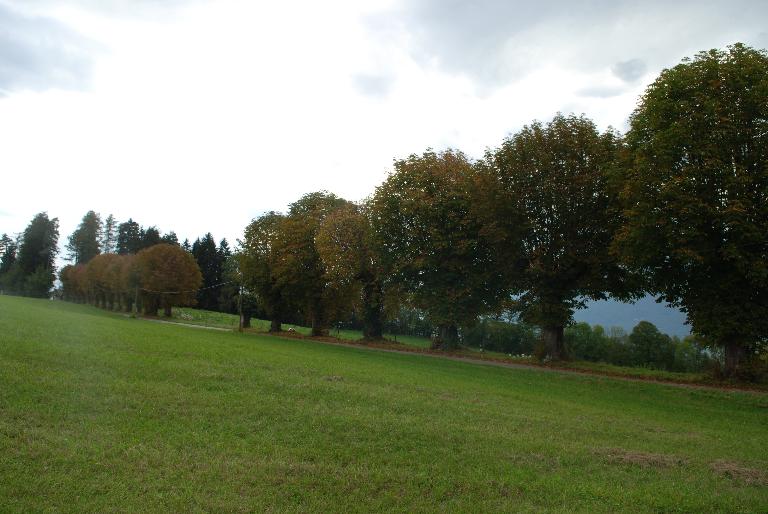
(103, 413)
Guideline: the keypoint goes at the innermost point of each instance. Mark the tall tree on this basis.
(257, 260)
(5, 242)
(128, 238)
(85, 242)
(430, 240)
(551, 180)
(695, 195)
(345, 244)
(8, 254)
(109, 235)
(207, 256)
(150, 237)
(34, 269)
(298, 267)
(170, 238)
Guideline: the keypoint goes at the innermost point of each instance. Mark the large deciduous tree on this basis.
(298, 268)
(256, 260)
(695, 195)
(345, 244)
(85, 242)
(169, 276)
(550, 195)
(431, 242)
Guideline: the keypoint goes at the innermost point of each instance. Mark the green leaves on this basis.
(695, 193)
(553, 204)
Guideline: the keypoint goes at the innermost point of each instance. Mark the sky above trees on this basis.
(193, 113)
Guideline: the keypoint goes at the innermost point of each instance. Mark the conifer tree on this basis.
(85, 242)
(128, 238)
(33, 272)
(109, 235)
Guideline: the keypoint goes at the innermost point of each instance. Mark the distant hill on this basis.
(610, 313)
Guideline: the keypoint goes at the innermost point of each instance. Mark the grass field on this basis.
(223, 320)
(103, 413)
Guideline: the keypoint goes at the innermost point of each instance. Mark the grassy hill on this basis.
(99, 412)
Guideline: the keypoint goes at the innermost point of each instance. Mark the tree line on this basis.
(557, 214)
(103, 270)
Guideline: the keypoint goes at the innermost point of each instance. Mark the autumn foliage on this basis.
(161, 276)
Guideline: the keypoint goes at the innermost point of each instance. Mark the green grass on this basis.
(103, 413)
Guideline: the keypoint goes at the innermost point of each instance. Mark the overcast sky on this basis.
(197, 115)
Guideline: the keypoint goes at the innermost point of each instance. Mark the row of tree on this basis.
(158, 277)
(94, 237)
(558, 214)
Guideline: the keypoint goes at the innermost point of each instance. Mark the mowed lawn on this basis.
(102, 413)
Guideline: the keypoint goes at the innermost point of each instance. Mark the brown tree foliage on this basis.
(161, 276)
(345, 244)
(169, 276)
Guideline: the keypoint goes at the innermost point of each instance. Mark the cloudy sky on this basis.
(197, 115)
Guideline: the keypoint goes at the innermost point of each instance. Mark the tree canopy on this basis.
(345, 245)
(169, 276)
(298, 268)
(551, 203)
(430, 240)
(695, 195)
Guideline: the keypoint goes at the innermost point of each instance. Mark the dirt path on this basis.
(192, 325)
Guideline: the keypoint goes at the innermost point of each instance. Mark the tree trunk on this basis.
(317, 326)
(552, 337)
(150, 306)
(733, 354)
(167, 311)
(246, 320)
(276, 325)
(318, 315)
(447, 337)
(373, 324)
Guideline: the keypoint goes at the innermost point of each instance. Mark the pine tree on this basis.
(109, 235)
(128, 238)
(170, 238)
(8, 253)
(34, 271)
(84, 243)
(206, 254)
(150, 237)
